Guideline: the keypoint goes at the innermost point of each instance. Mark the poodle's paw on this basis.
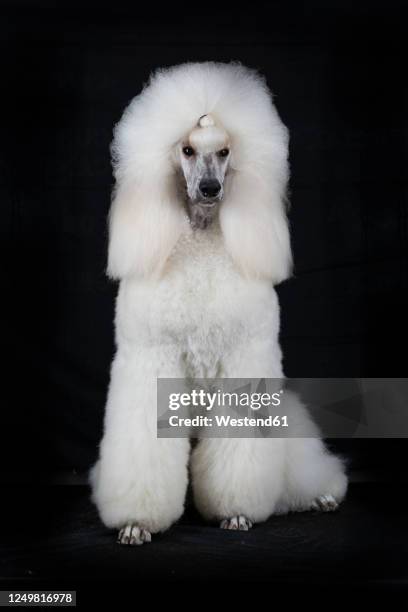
(133, 535)
(239, 523)
(325, 503)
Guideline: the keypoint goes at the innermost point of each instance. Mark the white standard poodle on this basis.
(198, 239)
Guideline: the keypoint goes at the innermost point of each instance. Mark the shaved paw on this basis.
(236, 523)
(325, 503)
(133, 535)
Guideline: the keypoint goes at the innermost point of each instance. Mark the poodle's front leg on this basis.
(240, 523)
(139, 482)
(237, 481)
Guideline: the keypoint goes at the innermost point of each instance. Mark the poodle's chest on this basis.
(183, 304)
(202, 301)
(207, 315)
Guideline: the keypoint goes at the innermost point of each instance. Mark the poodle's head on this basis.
(203, 159)
(201, 141)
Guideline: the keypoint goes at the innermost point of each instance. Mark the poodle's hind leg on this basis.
(140, 481)
(325, 503)
(314, 478)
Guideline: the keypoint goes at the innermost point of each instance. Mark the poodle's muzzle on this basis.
(204, 176)
(203, 209)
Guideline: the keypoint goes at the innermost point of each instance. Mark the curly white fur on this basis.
(202, 303)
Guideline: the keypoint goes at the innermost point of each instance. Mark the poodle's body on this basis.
(197, 301)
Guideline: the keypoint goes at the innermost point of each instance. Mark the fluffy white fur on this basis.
(200, 303)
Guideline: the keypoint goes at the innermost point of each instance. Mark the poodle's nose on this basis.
(209, 188)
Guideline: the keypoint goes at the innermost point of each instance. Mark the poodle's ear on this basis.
(255, 226)
(145, 223)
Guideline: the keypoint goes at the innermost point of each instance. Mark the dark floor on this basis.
(52, 536)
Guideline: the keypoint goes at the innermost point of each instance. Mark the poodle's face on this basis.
(204, 158)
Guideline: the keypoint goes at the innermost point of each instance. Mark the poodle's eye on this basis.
(223, 153)
(188, 151)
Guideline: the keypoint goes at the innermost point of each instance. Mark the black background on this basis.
(338, 72)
